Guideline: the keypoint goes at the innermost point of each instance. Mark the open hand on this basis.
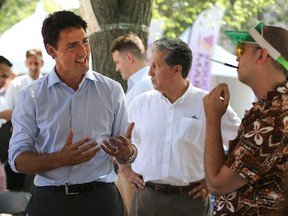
(78, 152)
(120, 147)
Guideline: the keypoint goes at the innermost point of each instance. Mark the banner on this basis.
(202, 40)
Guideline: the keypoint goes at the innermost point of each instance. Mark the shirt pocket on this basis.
(191, 130)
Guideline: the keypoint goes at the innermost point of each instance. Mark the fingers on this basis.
(79, 143)
(90, 154)
(128, 134)
(195, 189)
(200, 191)
(216, 102)
(205, 194)
(222, 91)
(138, 180)
(72, 156)
(87, 147)
(110, 149)
(123, 140)
(120, 148)
(78, 152)
(69, 139)
(134, 178)
(226, 95)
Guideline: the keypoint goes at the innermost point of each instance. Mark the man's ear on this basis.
(177, 69)
(129, 56)
(51, 51)
(263, 55)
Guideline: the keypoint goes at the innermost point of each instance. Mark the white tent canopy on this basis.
(23, 36)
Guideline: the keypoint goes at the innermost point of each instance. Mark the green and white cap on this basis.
(255, 36)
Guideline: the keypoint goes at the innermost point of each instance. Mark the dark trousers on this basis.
(149, 202)
(104, 201)
(15, 181)
(5, 135)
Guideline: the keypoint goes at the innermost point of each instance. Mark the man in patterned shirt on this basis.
(249, 181)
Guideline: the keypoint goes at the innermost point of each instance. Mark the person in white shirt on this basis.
(170, 133)
(34, 62)
(130, 57)
(5, 70)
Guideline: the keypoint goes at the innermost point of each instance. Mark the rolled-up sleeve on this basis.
(24, 127)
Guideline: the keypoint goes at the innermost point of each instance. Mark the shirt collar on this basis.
(136, 77)
(53, 78)
(184, 96)
(31, 79)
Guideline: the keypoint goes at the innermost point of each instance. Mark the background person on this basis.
(5, 70)
(130, 57)
(34, 62)
(251, 178)
(169, 131)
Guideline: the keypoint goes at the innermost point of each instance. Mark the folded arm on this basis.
(219, 178)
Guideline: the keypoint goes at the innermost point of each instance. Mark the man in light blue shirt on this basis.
(59, 123)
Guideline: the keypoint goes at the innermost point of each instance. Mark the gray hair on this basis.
(177, 52)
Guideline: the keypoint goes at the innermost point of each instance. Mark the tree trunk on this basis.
(115, 18)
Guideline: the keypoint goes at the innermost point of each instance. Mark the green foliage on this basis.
(240, 14)
(13, 11)
(177, 14)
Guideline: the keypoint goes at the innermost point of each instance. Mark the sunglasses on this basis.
(241, 48)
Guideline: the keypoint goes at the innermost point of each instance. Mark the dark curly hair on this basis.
(56, 22)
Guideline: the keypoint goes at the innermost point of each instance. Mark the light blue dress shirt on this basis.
(48, 108)
(138, 83)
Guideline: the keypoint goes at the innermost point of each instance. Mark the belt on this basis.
(73, 189)
(170, 189)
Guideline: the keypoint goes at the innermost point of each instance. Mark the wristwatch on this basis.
(131, 158)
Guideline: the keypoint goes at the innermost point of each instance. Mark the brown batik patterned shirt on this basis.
(259, 154)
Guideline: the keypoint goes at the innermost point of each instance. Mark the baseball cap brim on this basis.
(244, 36)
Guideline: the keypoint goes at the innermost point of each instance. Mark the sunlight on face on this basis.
(161, 74)
(34, 65)
(121, 64)
(72, 55)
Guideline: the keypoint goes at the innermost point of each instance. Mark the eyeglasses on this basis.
(241, 48)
